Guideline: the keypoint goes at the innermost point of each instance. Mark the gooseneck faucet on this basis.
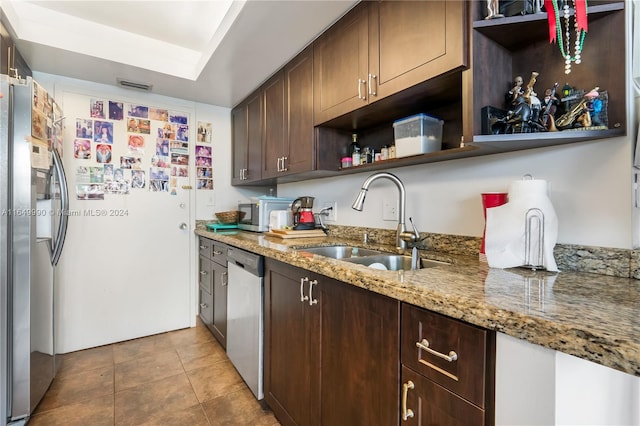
(359, 203)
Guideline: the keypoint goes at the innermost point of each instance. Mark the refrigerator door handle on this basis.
(64, 208)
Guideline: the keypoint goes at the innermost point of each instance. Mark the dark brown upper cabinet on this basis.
(384, 47)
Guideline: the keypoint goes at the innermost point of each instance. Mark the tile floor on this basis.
(178, 378)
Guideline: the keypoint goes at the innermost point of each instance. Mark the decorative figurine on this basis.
(511, 97)
(578, 115)
(549, 107)
(493, 6)
(524, 112)
(594, 107)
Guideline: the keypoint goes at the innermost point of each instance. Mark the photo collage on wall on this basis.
(204, 157)
(46, 127)
(134, 146)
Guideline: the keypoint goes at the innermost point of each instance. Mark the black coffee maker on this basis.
(302, 209)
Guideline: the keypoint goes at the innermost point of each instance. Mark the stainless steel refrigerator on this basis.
(33, 203)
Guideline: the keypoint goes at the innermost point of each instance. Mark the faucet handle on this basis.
(411, 237)
(416, 234)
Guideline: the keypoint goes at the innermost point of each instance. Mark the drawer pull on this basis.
(425, 346)
(217, 252)
(203, 272)
(203, 306)
(225, 280)
(303, 298)
(203, 247)
(312, 301)
(406, 413)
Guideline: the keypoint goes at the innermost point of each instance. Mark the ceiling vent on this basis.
(134, 85)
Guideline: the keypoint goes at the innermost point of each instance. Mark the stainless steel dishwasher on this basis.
(245, 316)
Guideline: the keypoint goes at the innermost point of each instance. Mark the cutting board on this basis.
(291, 233)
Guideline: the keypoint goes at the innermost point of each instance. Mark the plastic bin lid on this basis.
(413, 117)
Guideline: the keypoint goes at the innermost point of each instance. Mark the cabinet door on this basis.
(254, 138)
(300, 136)
(340, 61)
(274, 125)
(359, 368)
(205, 273)
(240, 143)
(289, 362)
(205, 295)
(413, 41)
(426, 334)
(431, 404)
(219, 315)
(247, 140)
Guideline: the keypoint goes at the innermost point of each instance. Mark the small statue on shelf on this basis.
(493, 6)
(524, 108)
(511, 97)
(594, 107)
(549, 107)
(580, 115)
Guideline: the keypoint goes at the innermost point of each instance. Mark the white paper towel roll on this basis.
(506, 225)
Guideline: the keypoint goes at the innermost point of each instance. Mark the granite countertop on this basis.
(591, 316)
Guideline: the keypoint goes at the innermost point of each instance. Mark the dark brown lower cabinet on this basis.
(448, 370)
(427, 403)
(331, 352)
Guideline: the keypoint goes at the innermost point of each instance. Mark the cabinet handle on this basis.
(372, 91)
(278, 164)
(425, 346)
(218, 252)
(312, 301)
(203, 247)
(407, 413)
(302, 296)
(360, 83)
(202, 273)
(224, 280)
(284, 164)
(203, 306)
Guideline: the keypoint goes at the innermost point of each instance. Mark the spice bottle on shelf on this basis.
(355, 157)
(384, 153)
(365, 158)
(392, 151)
(354, 144)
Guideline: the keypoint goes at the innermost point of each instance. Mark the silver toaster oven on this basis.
(256, 217)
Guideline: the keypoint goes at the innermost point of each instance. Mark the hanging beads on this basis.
(580, 35)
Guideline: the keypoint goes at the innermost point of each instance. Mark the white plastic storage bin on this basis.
(417, 134)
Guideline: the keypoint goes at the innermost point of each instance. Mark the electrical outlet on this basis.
(333, 213)
(389, 210)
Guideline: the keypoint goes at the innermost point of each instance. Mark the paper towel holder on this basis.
(534, 216)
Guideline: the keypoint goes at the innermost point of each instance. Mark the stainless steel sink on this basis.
(340, 252)
(393, 262)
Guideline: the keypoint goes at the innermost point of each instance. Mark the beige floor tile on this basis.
(192, 416)
(147, 369)
(156, 380)
(216, 380)
(95, 412)
(75, 362)
(238, 408)
(155, 399)
(74, 388)
(201, 355)
(132, 349)
(190, 336)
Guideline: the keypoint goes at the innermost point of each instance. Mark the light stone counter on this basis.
(592, 316)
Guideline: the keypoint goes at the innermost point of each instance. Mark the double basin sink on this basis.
(371, 258)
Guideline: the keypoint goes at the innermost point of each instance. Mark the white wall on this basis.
(590, 187)
(540, 386)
